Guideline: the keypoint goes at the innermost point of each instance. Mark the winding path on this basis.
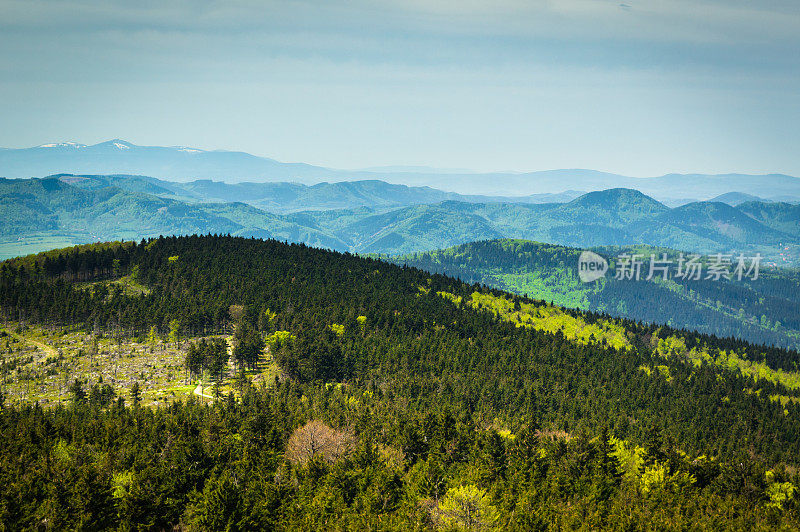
(51, 351)
(199, 391)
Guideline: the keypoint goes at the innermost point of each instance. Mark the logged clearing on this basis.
(40, 365)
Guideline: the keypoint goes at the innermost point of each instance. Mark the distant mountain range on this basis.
(286, 197)
(764, 311)
(176, 162)
(377, 217)
(191, 164)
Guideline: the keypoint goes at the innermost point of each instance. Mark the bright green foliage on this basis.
(629, 456)
(152, 337)
(783, 399)
(549, 272)
(278, 338)
(671, 345)
(337, 328)
(507, 434)
(468, 508)
(121, 484)
(778, 493)
(664, 372)
(650, 478)
(362, 322)
(547, 318)
(172, 259)
(654, 477)
(174, 331)
(450, 297)
(658, 477)
(730, 360)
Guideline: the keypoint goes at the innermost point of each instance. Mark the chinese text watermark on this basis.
(692, 267)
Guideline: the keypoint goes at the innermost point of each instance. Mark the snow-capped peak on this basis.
(62, 145)
(122, 146)
(187, 149)
(116, 143)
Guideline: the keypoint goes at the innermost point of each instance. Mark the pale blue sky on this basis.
(640, 88)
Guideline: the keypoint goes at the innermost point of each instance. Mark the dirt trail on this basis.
(231, 365)
(199, 391)
(51, 351)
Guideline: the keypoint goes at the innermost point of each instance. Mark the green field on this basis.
(37, 243)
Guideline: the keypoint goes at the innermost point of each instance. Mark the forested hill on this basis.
(762, 311)
(439, 396)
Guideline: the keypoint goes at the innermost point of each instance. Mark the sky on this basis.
(640, 88)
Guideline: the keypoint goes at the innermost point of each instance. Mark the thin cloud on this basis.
(518, 80)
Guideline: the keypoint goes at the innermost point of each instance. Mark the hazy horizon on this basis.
(390, 169)
(628, 88)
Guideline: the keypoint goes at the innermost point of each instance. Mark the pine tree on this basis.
(78, 393)
(136, 395)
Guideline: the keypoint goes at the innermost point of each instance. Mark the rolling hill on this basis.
(51, 206)
(704, 226)
(735, 199)
(614, 217)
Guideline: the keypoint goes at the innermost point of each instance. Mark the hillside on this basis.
(614, 217)
(764, 311)
(423, 394)
(613, 207)
(717, 221)
(34, 206)
(84, 212)
(779, 216)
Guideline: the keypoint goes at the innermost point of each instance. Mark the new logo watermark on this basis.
(693, 267)
(591, 266)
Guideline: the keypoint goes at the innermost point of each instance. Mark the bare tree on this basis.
(316, 438)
